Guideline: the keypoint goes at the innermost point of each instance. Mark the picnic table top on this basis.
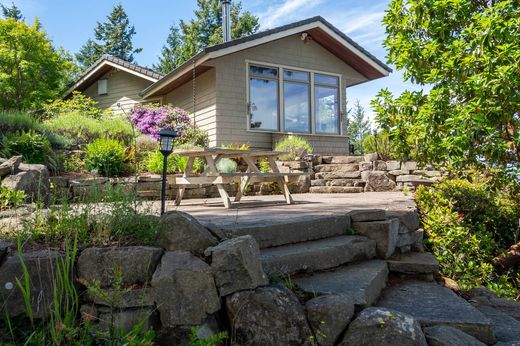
(227, 152)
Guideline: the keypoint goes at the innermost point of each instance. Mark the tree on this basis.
(358, 126)
(204, 30)
(113, 37)
(12, 12)
(32, 71)
(469, 53)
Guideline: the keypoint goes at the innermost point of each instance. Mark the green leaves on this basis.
(469, 53)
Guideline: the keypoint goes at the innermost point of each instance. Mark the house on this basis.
(289, 80)
(114, 83)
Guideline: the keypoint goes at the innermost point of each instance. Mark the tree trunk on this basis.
(509, 259)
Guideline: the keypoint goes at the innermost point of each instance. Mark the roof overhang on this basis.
(97, 71)
(318, 28)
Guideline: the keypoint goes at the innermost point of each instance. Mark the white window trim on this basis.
(281, 111)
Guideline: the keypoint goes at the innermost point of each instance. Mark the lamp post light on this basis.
(166, 139)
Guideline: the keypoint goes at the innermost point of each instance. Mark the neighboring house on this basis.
(114, 83)
(257, 89)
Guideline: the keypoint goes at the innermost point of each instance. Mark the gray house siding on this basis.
(231, 93)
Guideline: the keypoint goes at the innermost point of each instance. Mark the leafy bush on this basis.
(176, 163)
(294, 146)
(106, 156)
(77, 104)
(149, 120)
(13, 121)
(379, 143)
(10, 198)
(81, 129)
(226, 165)
(34, 147)
(467, 226)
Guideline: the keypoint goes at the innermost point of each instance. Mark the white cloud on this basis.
(287, 11)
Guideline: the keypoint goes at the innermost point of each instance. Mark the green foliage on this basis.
(12, 12)
(468, 52)
(10, 198)
(113, 37)
(379, 143)
(213, 340)
(34, 147)
(33, 71)
(294, 146)
(77, 104)
(175, 163)
(203, 31)
(467, 225)
(13, 121)
(193, 136)
(226, 165)
(105, 156)
(358, 127)
(82, 129)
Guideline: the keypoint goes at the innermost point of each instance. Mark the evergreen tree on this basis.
(203, 31)
(12, 12)
(113, 37)
(359, 126)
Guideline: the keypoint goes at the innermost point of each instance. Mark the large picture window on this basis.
(292, 100)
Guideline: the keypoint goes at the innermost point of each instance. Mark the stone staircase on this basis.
(373, 256)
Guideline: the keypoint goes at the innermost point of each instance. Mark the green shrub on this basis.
(81, 129)
(14, 121)
(176, 163)
(194, 136)
(467, 226)
(34, 147)
(10, 198)
(294, 146)
(378, 143)
(226, 165)
(77, 104)
(105, 156)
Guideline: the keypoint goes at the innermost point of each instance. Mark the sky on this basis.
(70, 23)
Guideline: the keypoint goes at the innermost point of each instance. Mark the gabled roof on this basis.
(107, 63)
(321, 31)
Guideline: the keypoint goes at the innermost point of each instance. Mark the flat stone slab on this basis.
(317, 255)
(362, 281)
(336, 189)
(269, 234)
(432, 304)
(414, 263)
(505, 327)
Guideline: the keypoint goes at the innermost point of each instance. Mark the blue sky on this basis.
(70, 23)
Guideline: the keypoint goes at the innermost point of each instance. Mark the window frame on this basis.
(248, 90)
(330, 86)
(281, 101)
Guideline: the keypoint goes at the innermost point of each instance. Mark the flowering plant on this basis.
(150, 120)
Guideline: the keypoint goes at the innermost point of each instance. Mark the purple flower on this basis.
(151, 119)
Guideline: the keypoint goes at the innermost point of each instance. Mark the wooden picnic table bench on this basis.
(214, 177)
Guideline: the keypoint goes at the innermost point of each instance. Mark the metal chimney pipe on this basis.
(226, 20)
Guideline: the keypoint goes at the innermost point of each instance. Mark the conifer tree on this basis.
(12, 12)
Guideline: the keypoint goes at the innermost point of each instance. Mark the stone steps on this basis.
(335, 189)
(297, 230)
(363, 281)
(317, 255)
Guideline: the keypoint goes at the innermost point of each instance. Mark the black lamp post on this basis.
(166, 139)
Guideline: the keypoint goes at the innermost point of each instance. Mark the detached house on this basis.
(257, 89)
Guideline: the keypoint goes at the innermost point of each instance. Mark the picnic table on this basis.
(212, 176)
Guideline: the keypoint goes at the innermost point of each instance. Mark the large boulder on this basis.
(134, 264)
(181, 231)
(483, 296)
(328, 316)
(10, 166)
(380, 326)
(126, 319)
(41, 267)
(385, 233)
(184, 289)
(32, 179)
(269, 315)
(378, 181)
(449, 336)
(236, 265)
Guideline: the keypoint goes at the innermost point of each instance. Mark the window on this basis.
(102, 86)
(297, 101)
(263, 98)
(296, 96)
(326, 103)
